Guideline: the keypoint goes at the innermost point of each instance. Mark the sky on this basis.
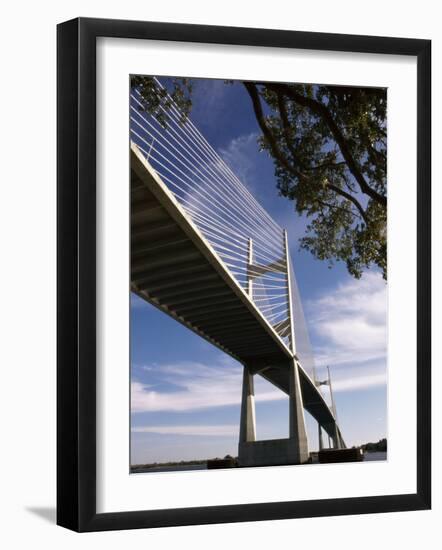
(185, 393)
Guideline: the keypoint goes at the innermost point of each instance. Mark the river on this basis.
(368, 457)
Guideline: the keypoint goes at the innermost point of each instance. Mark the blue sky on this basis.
(186, 393)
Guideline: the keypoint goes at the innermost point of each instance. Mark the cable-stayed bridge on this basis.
(205, 252)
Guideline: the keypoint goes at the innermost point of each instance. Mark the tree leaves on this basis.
(328, 144)
(158, 101)
(329, 148)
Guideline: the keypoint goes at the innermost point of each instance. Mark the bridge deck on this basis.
(174, 268)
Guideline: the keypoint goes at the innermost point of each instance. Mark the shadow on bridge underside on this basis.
(177, 270)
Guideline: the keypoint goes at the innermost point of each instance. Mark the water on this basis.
(375, 455)
(368, 457)
(177, 468)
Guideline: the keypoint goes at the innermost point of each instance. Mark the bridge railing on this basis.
(247, 240)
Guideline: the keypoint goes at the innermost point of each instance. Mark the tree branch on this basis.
(338, 207)
(326, 164)
(349, 197)
(257, 107)
(321, 110)
(253, 92)
(286, 129)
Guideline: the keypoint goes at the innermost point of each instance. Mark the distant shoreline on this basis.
(137, 468)
(370, 456)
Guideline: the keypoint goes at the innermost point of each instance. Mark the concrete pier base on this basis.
(292, 450)
(271, 452)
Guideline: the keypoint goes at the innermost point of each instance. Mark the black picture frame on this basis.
(76, 274)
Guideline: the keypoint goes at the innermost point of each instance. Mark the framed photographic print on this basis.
(243, 274)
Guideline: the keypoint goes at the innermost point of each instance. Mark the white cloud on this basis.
(239, 154)
(358, 382)
(225, 430)
(351, 322)
(199, 387)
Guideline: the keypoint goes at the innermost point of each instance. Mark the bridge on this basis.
(205, 252)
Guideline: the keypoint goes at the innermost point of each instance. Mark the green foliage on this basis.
(329, 148)
(380, 446)
(158, 101)
(328, 145)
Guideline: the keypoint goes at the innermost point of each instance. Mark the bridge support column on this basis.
(247, 431)
(337, 443)
(273, 452)
(321, 441)
(297, 432)
(334, 441)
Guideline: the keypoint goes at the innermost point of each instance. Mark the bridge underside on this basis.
(174, 268)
